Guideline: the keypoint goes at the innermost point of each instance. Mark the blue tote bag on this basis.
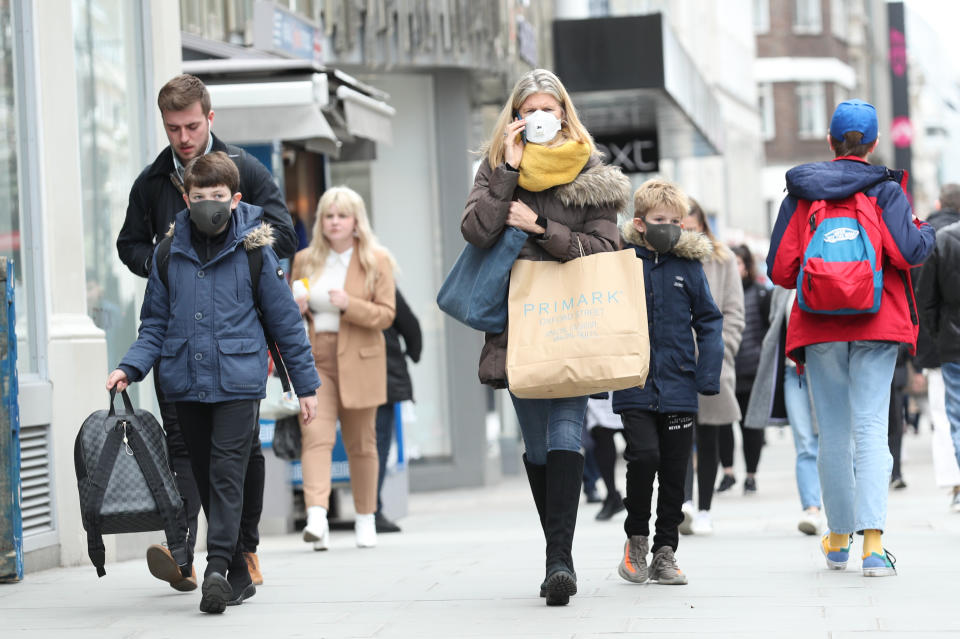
(475, 290)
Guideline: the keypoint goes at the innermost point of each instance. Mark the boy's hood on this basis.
(833, 180)
(248, 225)
(691, 246)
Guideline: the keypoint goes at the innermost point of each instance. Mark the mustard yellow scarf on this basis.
(543, 167)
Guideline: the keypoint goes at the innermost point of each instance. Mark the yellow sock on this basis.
(838, 541)
(872, 543)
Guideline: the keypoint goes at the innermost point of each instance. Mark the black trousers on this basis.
(753, 440)
(708, 445)
(658, 445)
(895, 428)
(385, 421)
(218, 437)
(180, 464)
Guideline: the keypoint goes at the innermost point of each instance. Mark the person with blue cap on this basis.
(846, 239)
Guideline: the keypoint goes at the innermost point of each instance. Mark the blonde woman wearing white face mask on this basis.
(542, 175)
(343, 283)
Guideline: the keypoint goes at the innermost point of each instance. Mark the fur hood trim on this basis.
(691, 246)
(597, 185)
(261, 235)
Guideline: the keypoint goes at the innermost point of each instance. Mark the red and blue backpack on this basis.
(842, 268)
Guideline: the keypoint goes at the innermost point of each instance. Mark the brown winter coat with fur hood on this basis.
(585, 210)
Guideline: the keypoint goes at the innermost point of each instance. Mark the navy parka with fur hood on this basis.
(678, 298)
(203, 333)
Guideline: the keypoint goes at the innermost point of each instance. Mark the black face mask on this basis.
(210, 216)
(662, 237)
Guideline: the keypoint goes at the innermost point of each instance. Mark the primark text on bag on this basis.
(578, 327)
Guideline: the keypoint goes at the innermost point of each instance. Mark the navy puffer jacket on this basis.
(203, 333)
(678, 298)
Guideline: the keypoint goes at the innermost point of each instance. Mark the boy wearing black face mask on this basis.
(200, 328)
(658, 418)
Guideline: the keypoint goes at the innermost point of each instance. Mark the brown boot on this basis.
(253, 566)
(164, 567)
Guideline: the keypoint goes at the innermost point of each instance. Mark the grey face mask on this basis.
(210, 216)
(662, 237)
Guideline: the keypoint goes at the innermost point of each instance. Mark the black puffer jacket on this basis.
(938, 294)
(155, 200)
(756, 305)
(927, 355)
(405, 325)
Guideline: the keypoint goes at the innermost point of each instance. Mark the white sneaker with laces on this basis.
(685, 526)
(811, 523)
(702, 524)
(365, 528)
(317, 529)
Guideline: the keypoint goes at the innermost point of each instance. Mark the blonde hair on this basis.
(658, 193)
(347, 201)
(533, 82)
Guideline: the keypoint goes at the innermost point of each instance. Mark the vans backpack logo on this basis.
(842, 268)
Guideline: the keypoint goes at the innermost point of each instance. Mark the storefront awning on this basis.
(366, 117)
(284, 110)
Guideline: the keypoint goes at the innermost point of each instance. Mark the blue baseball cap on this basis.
(854, 115)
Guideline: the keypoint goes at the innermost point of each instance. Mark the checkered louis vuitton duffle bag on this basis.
(125, 480)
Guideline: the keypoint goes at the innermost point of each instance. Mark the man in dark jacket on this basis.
(155, 199)
(399, 389)
(938, 298)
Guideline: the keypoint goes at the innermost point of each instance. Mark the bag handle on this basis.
(127, 404)
(579, 244)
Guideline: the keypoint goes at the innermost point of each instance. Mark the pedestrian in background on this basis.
(602, 424)
(781, 392)
(850, 357)
(541, 174)
(399, 389)
(345, 289)
(203, 328)
(155, 199)
(717, 412)
(658, 419)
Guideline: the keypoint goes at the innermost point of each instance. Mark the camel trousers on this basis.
(359, 431)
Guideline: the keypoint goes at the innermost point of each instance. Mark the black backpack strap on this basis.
(172, 511)
(97, 487)
(255, 261)
(163, 259)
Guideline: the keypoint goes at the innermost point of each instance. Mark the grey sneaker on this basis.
(664, 569)
(633, 565)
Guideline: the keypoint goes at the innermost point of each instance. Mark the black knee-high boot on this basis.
(564, 480)
(537, 476)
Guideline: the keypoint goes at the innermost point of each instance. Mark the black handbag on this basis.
(125, 481)
(286, 438)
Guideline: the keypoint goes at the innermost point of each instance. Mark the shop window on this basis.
(839, 15)
(15, 236)
(111, 105)
(811, 111)
(806, 17)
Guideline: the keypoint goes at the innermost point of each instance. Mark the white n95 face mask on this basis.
(541, 127)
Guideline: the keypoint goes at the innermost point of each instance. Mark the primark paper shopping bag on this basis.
(577, 328)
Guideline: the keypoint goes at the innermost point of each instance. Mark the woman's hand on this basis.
(308, 408)
(513, 145)
(339, 298)
(302, 304)
(522, 216)
(119, 379)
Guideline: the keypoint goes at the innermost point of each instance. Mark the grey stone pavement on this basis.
(469, 564)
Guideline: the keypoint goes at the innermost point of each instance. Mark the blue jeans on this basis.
(951, 384)
(805, 438)
(851, 395)
(550, 424)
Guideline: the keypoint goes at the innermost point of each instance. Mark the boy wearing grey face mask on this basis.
(658, 419)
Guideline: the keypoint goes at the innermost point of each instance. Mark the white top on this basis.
(326, 316)
(790, 300)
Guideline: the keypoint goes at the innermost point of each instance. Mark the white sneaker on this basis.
(955, 502)
(685, 526)
(702, 524)
(811, 523)
(365, 527)
(317, 529)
